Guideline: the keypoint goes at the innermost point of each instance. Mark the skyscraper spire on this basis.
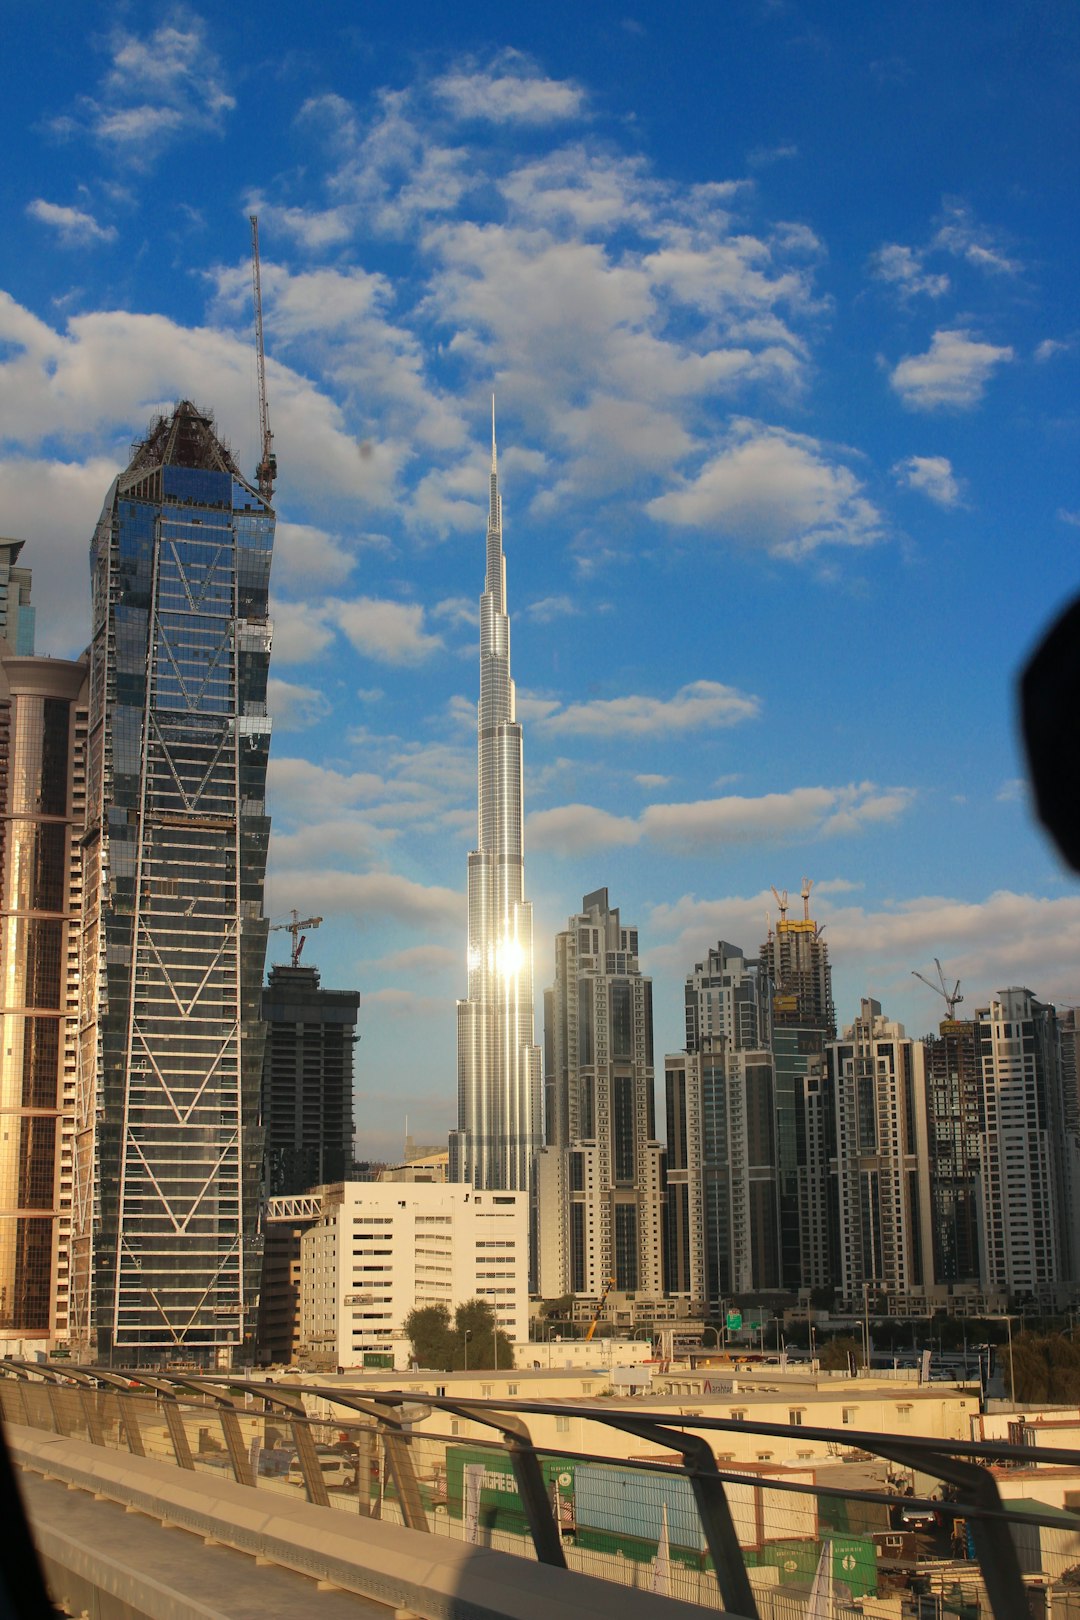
(498, 1062)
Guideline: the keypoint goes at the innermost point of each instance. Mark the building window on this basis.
(795, 1416)
(849, 1413)
(562, 1425)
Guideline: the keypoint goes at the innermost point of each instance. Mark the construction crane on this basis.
(807, 885)
(951, 998)
(296, 929)
(266, 471)
(608, 1286)
(782, 902)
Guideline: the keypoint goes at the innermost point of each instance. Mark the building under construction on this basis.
(173, 942)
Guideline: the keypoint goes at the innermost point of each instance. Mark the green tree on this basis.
(429, 1332)
(834, 1353)
(1046, 1368)
(485, 1346)
(471, 1340)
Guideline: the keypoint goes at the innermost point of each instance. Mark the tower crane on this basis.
(951, 998)
(296, 929)
(608, 1286)
(782, 902)
(807, 885)
(266, 471)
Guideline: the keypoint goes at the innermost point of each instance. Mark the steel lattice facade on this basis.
(174, 938)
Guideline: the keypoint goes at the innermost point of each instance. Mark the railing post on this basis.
(92, 1415)
(403, 1474)
(365, 1456)
(528, 1476)
(174, 1421)
(534, 1498)
(234, 1443)
(721, 1537)
(314, 1482)
(129, 1417)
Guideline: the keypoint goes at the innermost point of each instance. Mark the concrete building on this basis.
(43, 710)
(600, 1178)
(795, 959)
(877, 1077)
(307, 1081)
(722, 1118)
(174, 938)
(953, 1098)
(380, 1248)
(1027, 1149)
(498, 1062)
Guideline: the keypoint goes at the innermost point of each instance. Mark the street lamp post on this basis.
(465, 1341)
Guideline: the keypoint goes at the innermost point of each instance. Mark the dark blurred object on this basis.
(1049, 706)
(22, 1586)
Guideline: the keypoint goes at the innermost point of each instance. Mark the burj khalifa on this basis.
(499, 1085)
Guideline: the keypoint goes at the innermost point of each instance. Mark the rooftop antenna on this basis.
(266, 471)
(951, 998)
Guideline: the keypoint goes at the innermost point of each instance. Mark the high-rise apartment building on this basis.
(307, 1086)
(1027, 1148)
(499, 1086)
(42, 804)
(954, 1126)
(380, 1248)
(724, 1228)
(878, 1082)
(167, 1153)
(795, 958)
(600, 1178)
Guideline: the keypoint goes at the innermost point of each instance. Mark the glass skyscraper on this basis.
(173, 943)
(499, 1088)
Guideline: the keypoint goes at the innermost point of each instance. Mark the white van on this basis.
(336, 1469)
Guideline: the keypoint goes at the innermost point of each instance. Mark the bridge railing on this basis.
(678, 1514)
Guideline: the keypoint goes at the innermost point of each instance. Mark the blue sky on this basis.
(779, 302)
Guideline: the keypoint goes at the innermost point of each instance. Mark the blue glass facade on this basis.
(174, 937)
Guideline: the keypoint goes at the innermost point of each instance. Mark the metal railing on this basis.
(753, 1538)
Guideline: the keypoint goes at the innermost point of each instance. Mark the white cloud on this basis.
(109, 372)
(931, 476)
(301, 631)
(548, 608)
(989, 944)
(902, 268)
(700, 705)
(954, 371)
(511, 91)
(961, 235)
(369, 899)
(294, 707)
(392, 632)
(1065, 516)
(710, 825)
(304, 554)
(776, 490)
(804, 812)
(59, 500)
(158, 88)
(651, 779)
(579, 829)
(74, 227)
(1050, 348)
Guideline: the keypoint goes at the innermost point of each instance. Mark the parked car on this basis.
(336, 1469)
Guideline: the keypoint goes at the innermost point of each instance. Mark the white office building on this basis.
(381, 1248)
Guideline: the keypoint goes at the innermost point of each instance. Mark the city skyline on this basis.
(781, 318)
